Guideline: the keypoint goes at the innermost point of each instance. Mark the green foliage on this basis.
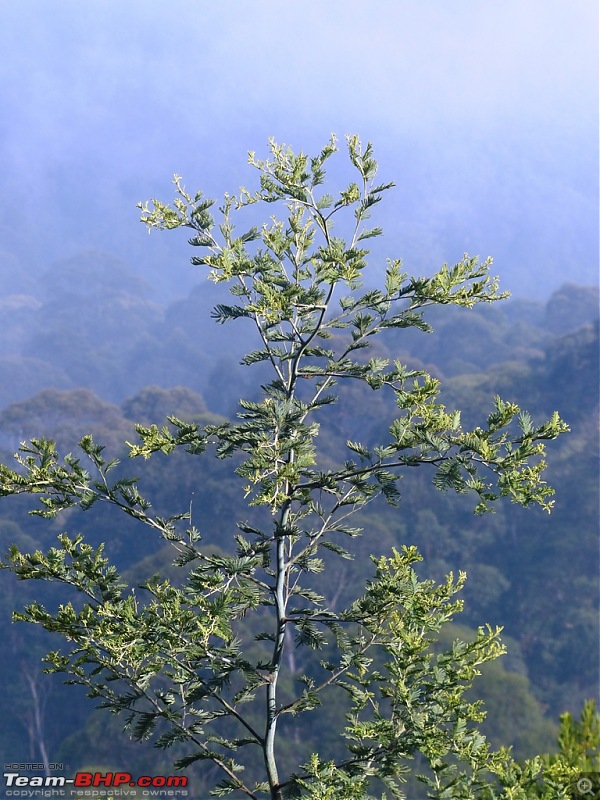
(579, 742)
(560, 775)
(173, 656)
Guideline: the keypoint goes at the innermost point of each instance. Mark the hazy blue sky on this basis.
(484, 113)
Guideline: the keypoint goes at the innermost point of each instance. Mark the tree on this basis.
(208, 661)
(574, 770)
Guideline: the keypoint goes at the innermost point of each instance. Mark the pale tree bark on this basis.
(35, 719)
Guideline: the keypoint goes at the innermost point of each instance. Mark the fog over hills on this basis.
(484, 115)
(90, 321)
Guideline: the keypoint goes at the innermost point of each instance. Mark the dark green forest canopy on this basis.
(511, 558)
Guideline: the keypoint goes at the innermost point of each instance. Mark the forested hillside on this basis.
(87, 352)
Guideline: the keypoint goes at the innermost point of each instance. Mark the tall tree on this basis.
(175, 656)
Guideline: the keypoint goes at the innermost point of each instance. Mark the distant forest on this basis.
(85, 351)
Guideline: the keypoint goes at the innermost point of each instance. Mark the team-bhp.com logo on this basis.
(15, 782)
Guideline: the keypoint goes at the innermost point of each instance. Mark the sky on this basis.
(484, 114)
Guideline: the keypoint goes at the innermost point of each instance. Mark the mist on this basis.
(484, 115)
